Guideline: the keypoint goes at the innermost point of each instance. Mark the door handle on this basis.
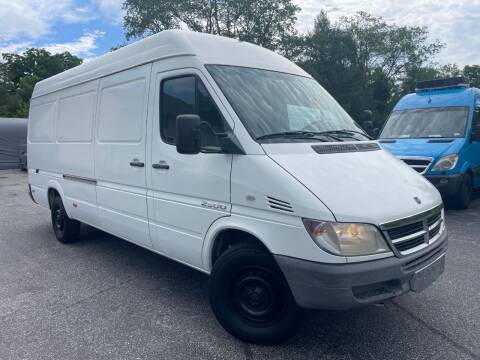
(136, 163)
(161, 165)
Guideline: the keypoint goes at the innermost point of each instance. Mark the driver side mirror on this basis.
(188, 134)
(189, 141)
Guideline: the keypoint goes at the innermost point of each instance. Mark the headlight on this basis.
(346, 239)
(446, 163)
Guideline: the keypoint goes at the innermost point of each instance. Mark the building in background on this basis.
(13, 140)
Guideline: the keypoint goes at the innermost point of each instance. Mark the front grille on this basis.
(419, 164)
(434, 218)
(402, 231)
(410, 244)
(435, 231)
(414, 233)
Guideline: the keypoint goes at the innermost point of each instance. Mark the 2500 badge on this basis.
(212, 205)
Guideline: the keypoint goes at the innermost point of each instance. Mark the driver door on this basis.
(187, 193)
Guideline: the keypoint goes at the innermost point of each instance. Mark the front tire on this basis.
(66, 230)
(251, 298)
(463, 196)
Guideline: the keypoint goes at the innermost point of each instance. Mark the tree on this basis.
(330, 56)
(364, 61)
(472, 73)
(268, 23)
(20, 72)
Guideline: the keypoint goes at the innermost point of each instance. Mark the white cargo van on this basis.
(230, 159)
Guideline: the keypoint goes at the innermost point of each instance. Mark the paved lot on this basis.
(103, 298)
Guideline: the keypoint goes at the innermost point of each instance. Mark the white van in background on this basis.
(230, 159)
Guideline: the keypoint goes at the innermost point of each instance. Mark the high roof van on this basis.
(436, 131)
(230, 159)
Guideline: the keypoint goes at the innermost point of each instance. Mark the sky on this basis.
(89, 28)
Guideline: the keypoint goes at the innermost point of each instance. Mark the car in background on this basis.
(436, 131)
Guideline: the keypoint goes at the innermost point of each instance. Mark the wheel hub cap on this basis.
(255, 296)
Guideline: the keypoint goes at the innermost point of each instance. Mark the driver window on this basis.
(188, 95)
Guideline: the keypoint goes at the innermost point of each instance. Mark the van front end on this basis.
(333, 221)
(436, 131)
(388, 228)
(418, 246)
(441, 161)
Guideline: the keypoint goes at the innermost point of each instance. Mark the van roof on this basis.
(210, 49)
(438, 98)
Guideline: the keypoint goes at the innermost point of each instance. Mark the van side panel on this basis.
(120, 154)
(60, 147)
(74, 134)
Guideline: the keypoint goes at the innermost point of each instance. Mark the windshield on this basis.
(269, 102)
(426, 123)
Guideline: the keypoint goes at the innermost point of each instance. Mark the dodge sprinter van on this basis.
(436, 131)
(230, 159)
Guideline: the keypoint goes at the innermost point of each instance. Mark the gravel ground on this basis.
(104, 298)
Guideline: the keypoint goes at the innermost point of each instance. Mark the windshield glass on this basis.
(426, 123)
(269, 102)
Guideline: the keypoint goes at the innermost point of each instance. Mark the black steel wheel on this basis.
(251, 298)
(66, 230)
(463, 198)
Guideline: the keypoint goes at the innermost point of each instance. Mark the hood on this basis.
(422, 147)
(362, 186)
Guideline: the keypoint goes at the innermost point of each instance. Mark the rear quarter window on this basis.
(42, 122)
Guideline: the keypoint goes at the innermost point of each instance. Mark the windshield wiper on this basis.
(347, 132)
(298, 135)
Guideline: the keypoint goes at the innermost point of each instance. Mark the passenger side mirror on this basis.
(366, 121)
(188, 134)
(475, 132)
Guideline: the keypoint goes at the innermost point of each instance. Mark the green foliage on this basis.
(20, 72)
(268, 23)
(364, 61)
(472, 73)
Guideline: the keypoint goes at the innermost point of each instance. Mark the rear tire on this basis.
(251, 298)
(66, 230)
(463, 196)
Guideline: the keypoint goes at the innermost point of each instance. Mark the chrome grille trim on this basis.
(411, 219)
(424, 245)
(431, 227)
(420, 164)
(408, 237)
(431, 222)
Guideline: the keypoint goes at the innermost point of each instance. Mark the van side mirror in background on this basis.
(367, 123)
(188, 134)
(475, 132)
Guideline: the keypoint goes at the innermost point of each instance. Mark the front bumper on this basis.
(344, 286)
(448, 185)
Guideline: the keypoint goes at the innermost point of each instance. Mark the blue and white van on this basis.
(436, 131)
